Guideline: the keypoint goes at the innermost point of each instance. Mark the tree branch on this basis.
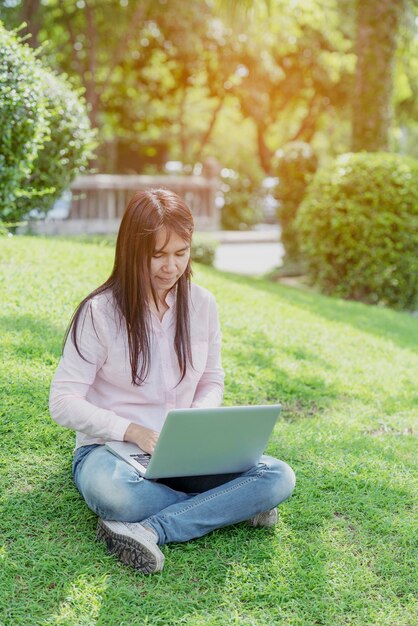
(264, 152)
(308, 126)
(209, 129)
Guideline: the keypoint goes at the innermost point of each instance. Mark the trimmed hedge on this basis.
(358, 229)
(45, 135)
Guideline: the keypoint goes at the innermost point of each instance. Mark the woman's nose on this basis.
(170, 264)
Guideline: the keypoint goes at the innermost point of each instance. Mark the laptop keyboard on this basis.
(143, 459)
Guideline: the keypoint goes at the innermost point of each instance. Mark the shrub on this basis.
(66, 151)
(23, 127)
(358, 228)
(294, 165)
(241, 203)
(203, 250)
(45, 137)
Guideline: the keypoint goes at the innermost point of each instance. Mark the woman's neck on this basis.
(161, 306)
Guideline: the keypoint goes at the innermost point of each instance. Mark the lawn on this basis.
(343, 551)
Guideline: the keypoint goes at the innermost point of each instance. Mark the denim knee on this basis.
(281, 480)
(107, 485)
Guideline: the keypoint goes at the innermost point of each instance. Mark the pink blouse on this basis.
(96, 397)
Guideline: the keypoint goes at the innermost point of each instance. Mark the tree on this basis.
(296, 70)
(406, 84)
(163, 74)
(145, 67)
(374, 25)
(377, 28)
(288, 86)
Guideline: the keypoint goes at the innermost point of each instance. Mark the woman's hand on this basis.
(143, 437)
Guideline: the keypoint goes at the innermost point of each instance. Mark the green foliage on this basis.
(203, 250)
(295, 165)
(359, 229)
(23, 114)
(241, 201)
(66, 151)
(173, 74)
(45, 136)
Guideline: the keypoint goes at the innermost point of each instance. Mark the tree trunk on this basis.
(182, 121)
(90, 79)
(30, 15)
(377, 27)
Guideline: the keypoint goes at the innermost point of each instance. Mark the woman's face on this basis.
(169, 261)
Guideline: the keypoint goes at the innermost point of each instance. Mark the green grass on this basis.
(344, 551)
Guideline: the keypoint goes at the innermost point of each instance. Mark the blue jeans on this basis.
(178, 509)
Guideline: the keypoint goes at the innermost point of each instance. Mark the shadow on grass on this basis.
(255, 359)
(57, 573)
(381, 322)
(55, 570)
(52, 571)
(30, 337)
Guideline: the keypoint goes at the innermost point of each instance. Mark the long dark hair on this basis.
(130, 282)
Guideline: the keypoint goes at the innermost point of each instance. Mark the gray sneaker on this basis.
(266, 519)
(133, 544)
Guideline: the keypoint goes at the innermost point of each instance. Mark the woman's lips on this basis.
(167, 280)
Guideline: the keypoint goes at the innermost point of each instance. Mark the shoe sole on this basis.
(264, 520)
(130, 551)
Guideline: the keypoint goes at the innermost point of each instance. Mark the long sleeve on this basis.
(68, 401)
(95, 395)
(210, 388)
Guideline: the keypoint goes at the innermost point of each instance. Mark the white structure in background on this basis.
(98, 201)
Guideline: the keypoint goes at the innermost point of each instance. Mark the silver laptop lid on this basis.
(197, 442)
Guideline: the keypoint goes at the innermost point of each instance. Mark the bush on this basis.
(64, 154)
(203, 250)
(23, 127)
(358, 227)
(241, 209)
(45, 137)
(294, 165)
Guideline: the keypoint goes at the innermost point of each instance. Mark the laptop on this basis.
(200, 442)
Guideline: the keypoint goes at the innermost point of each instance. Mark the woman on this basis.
(144, 342)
